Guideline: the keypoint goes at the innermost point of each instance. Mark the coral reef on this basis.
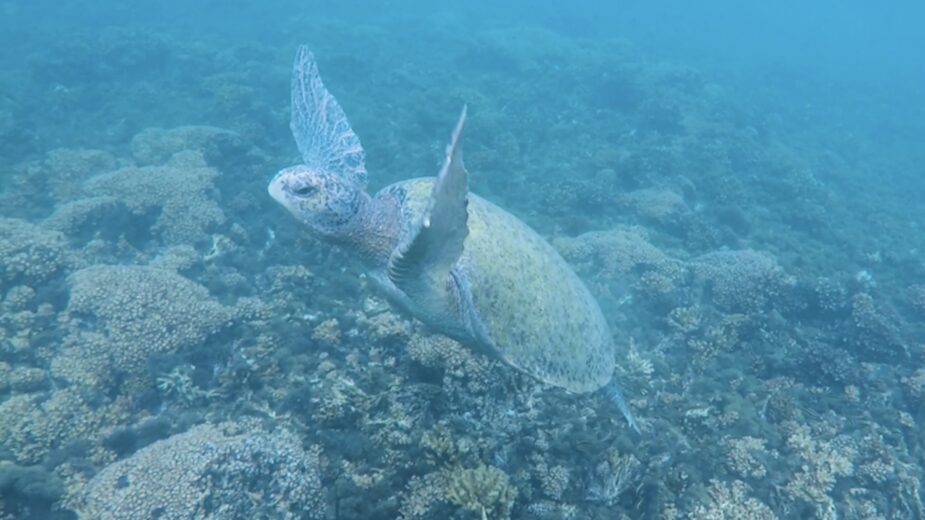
(766, 297)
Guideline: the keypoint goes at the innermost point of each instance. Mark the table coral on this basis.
(741, 281)
(63, 170)
(616, 252)
(229, 470)
(30, 254)
(32, 426)
(121, 315)
(157, 145)
(178, 192)
(659, 205)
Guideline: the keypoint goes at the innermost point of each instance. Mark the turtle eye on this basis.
(305, 191)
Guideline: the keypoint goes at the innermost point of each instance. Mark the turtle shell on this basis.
(538, 315)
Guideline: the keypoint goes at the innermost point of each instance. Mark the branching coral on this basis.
(485, 490)
(422, 494)
(230, 470)
(457, 362)
(731, 501)
(744, 456)
(824, 462)
(614, 476)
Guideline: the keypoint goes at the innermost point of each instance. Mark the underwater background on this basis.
(739, 185)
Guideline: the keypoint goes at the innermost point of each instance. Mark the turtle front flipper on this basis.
(320, 127)
(421, 266)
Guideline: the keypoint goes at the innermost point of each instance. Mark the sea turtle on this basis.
(460, 264)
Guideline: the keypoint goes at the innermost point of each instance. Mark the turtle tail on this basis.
(615, 394)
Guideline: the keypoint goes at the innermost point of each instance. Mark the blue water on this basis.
(738, 185)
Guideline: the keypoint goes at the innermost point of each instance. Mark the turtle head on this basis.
(325, 202)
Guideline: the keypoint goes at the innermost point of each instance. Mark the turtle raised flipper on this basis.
(320, 127)
(421, 267)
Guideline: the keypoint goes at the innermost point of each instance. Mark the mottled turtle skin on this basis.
(460, 264)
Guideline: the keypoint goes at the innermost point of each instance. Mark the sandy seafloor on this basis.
(174, 345)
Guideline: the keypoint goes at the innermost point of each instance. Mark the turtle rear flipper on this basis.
(421, 267)
(320, 127)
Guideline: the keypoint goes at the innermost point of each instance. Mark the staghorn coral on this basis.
(178, 191)
(740, 281)
(229, 470)
(121, 315)
(30, 254)
(485, 490)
